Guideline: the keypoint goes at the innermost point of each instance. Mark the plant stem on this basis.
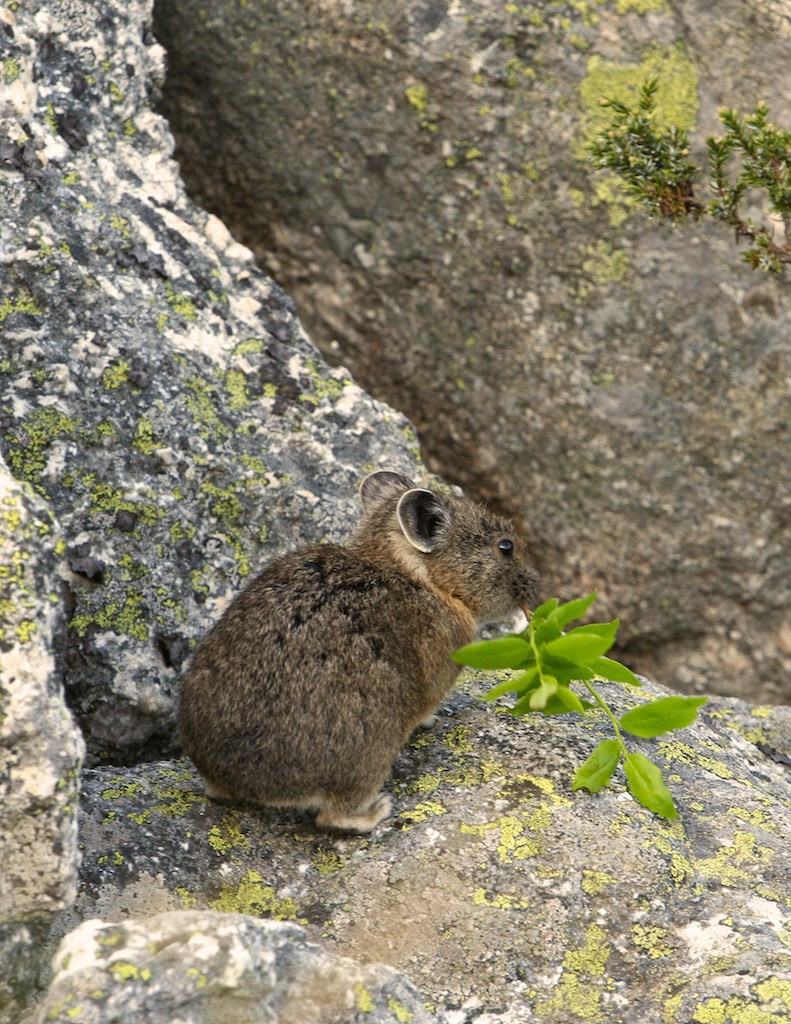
(606, 709)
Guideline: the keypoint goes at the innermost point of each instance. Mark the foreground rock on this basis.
(503, 895)
(40, 746)
(414, 174)
(202, 967)
(156, 390)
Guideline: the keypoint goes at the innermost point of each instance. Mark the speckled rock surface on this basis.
(156, 390)
(200, 968)
(499, 892)
(40, 746)
(414, 175)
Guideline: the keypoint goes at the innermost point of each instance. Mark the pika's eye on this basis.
(506, 546)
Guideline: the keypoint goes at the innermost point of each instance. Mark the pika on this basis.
(306, 688)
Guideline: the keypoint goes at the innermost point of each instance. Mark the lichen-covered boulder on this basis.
(502, 894)
(415, 175)
(156, 389)
(41, 748)
(199, 967)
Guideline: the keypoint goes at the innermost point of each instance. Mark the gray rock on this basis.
(40, 746)
(194, 966)
(414, 175)
(156, 389)
(503, 895)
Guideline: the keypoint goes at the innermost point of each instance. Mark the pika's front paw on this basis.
(428, 723)
(361, 819)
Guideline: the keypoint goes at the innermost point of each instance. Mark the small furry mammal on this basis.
(316, 674)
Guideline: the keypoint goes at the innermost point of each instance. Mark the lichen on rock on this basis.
(156, 389)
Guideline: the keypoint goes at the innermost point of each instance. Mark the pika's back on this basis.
(323, 605)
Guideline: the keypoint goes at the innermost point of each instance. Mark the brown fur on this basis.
(307, 687)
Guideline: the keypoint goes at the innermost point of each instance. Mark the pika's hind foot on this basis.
(361, 819)
(215, 792)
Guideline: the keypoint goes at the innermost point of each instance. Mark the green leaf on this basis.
(546, 631)
(597, 771)
(538, 698)
(519, 683)
(545, 609)
(614, 670)
(602, 629)
(571, 610)
(661, 716)
(569, 699)
(504, 652)
(582, 643)
(522, 706)
(563, 670)
(648, 787)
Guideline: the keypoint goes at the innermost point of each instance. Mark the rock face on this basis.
(414, 175)
(156, 390)
(202, 967)
(502, 894)
(40, 746)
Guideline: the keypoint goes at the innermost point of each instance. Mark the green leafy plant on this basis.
(751, 159)
(549, 660)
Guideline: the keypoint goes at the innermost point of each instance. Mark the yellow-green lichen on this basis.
(674, 750)
(116, 375)
(182, 305)
(327, 862)
(482, 898)
(735, 1010)
(226, 835)
(402, 1013)
(124, 971)
(11, 70)
(323, 387)
(363, 999)
(250, 346)
(417, 97)
(743, 859)
(676, 96)
(171, 802)
(108, 500)
(123, 790)
(202, 400)
(423, 811)
(30, 439)
(651, 940)
(760, 819)
(122, 617)
(110, 938)
(576, 993)
(676, 104)
(640, 6)
(602, 264)
(458, 739)
(460, 773)
(594, 882)
(513, 843)
(187, 899)
(144, 439)
(681, 868)
(201, 978)
(252, 896)
(236, 389)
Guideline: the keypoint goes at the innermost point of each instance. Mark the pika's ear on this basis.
(423, 518)
(375, 485)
